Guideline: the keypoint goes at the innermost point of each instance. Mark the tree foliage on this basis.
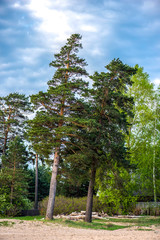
(13, 176)
(93, 135)
(102, 141)
(52, 124)
(12, 116)
(144, 135)
(44, 176)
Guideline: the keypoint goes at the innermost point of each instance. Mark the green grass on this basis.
(27, 218)
(144, 229)
(141, 221)
(93, 225)
(105, 224)
(6, 224)
(75, 224)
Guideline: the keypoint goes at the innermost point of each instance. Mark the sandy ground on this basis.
(37, 230)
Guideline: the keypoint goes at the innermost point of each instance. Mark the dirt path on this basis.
(37, 230)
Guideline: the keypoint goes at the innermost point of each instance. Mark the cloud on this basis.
(32, 31)
(30, 56)
(156, 81)
(57, 20)
(16, 5)
(3, 65)
(54, 21)
(89, 28)
(150, 7)
(24, 79)
(51, 21)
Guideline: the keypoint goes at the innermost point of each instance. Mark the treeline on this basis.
(103, 139)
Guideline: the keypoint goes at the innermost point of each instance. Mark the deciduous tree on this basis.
(143, 139)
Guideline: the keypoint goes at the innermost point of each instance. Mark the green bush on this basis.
(4, 205)
(66, 205)
(9, 209)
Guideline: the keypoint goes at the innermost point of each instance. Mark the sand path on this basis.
(37, 230)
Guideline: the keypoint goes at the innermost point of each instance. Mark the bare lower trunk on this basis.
(12, 183)
(88, 217)
(36, 184)
(53, 185)
(12, 188)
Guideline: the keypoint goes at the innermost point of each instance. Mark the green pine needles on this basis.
(54, 123)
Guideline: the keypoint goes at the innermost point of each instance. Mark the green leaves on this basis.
(13, 178)
(144, 133)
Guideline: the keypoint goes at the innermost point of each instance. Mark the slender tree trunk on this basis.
(5, 141)
(6, 132)
(154, 179)
(53, 185)
(12, 184)
(88, 217)
(36, 184)
(154, 163)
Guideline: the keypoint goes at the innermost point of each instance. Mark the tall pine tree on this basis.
(53, 124)
(111, 106)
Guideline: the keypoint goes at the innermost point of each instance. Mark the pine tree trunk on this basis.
(36, 184)
(5, 142)
(12, 183)
(53, 185)
(6, 131)
(88, 217)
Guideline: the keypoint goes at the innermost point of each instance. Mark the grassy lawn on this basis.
(105, 224)
(140, 221)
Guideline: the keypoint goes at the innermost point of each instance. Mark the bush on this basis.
(9, 209)
(4, 205)
(66, 205)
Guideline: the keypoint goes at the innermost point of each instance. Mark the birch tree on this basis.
(143, 139)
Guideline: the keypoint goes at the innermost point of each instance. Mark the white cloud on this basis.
(150, 7)
(57, 20)
(3, 65)
(156, 81)
(96, 51)
(89, 28)
(30, 56)
(24, 82)
(16, 5)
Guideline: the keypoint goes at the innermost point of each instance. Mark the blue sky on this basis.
(31, 31)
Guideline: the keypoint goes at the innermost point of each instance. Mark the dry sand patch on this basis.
(38, 230)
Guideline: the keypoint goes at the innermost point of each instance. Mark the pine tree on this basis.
(13, 175)
(53, 122)
(111, 106)
(12, 116)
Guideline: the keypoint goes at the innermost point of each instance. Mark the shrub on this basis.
(66, 205)
(9, 209)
